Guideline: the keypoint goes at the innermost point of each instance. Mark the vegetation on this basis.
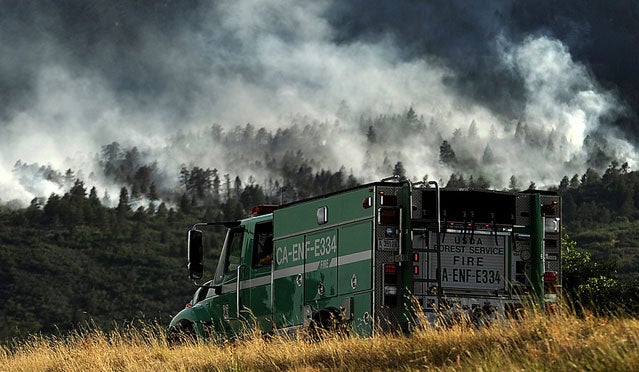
(79, 256)
(72, 259)
(561, 342)
(595, 285)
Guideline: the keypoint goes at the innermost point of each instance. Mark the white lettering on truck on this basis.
(300, 250)
(476, 262)
(322, 246)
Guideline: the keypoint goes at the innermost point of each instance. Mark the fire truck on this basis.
(366, 259)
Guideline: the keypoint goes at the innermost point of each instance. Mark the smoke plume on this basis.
(505, 91)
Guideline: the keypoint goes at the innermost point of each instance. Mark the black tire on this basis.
(327, 323)
(181, 333)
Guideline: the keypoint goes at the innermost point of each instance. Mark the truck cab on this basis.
(239, 293)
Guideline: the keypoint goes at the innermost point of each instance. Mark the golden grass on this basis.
(559, 343)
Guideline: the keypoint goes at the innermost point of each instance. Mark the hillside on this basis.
(55, 276)
(73, 260)
(76, 257)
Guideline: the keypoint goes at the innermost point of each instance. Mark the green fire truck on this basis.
(361, 259)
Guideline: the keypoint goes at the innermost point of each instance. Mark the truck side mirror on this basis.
(195, 255)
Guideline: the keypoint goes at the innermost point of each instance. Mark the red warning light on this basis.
(261, 209)
(390, 268)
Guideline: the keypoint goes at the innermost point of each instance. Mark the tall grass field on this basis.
(562, 342)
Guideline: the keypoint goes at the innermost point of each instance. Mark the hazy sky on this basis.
(77, 75)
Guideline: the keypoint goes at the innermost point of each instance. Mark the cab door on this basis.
(224, 308)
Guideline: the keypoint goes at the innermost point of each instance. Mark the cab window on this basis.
(263, 245)
(231, 255)
(233, 259)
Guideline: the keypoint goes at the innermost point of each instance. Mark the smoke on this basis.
(158, 76)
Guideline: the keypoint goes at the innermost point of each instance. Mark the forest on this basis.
(83, 256)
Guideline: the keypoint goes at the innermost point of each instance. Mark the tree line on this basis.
(78, 256)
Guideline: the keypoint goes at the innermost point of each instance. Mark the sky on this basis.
(78, 75)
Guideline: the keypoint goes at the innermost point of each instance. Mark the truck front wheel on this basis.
(183, 332)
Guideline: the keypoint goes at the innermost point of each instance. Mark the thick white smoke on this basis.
(271, 63)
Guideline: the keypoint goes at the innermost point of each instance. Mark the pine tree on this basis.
(513, 185)
(52, 209)
(94, 200)
(111, 152)
(488, 157)
(456, 182)
(237, 186)
(481, 183)
(153, 193)
(446, 153)
(399, 171)
(184, 177)
(69, 177)
(123, 203)
(185, 204)
(574, 181)
(216, 183)
(227, 185)
(472, 129)
(162, 211)
(591, 177)
(371, 136)
(200, 181)
(106, 199)
(410, 115)
(77, 192)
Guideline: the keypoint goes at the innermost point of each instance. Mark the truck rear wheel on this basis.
(327, 323)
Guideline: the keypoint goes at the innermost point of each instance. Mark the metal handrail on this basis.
(237, 289)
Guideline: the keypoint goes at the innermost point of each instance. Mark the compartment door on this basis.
(321, 265)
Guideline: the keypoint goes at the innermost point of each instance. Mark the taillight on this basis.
(388, 216)
(550, 208)
(390, 285)
(550, 282)
(390, 269)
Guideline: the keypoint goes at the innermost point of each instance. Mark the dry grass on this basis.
(562, 342)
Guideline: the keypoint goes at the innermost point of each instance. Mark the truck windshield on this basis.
(231, 254)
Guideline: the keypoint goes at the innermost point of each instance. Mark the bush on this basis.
(594, 285)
